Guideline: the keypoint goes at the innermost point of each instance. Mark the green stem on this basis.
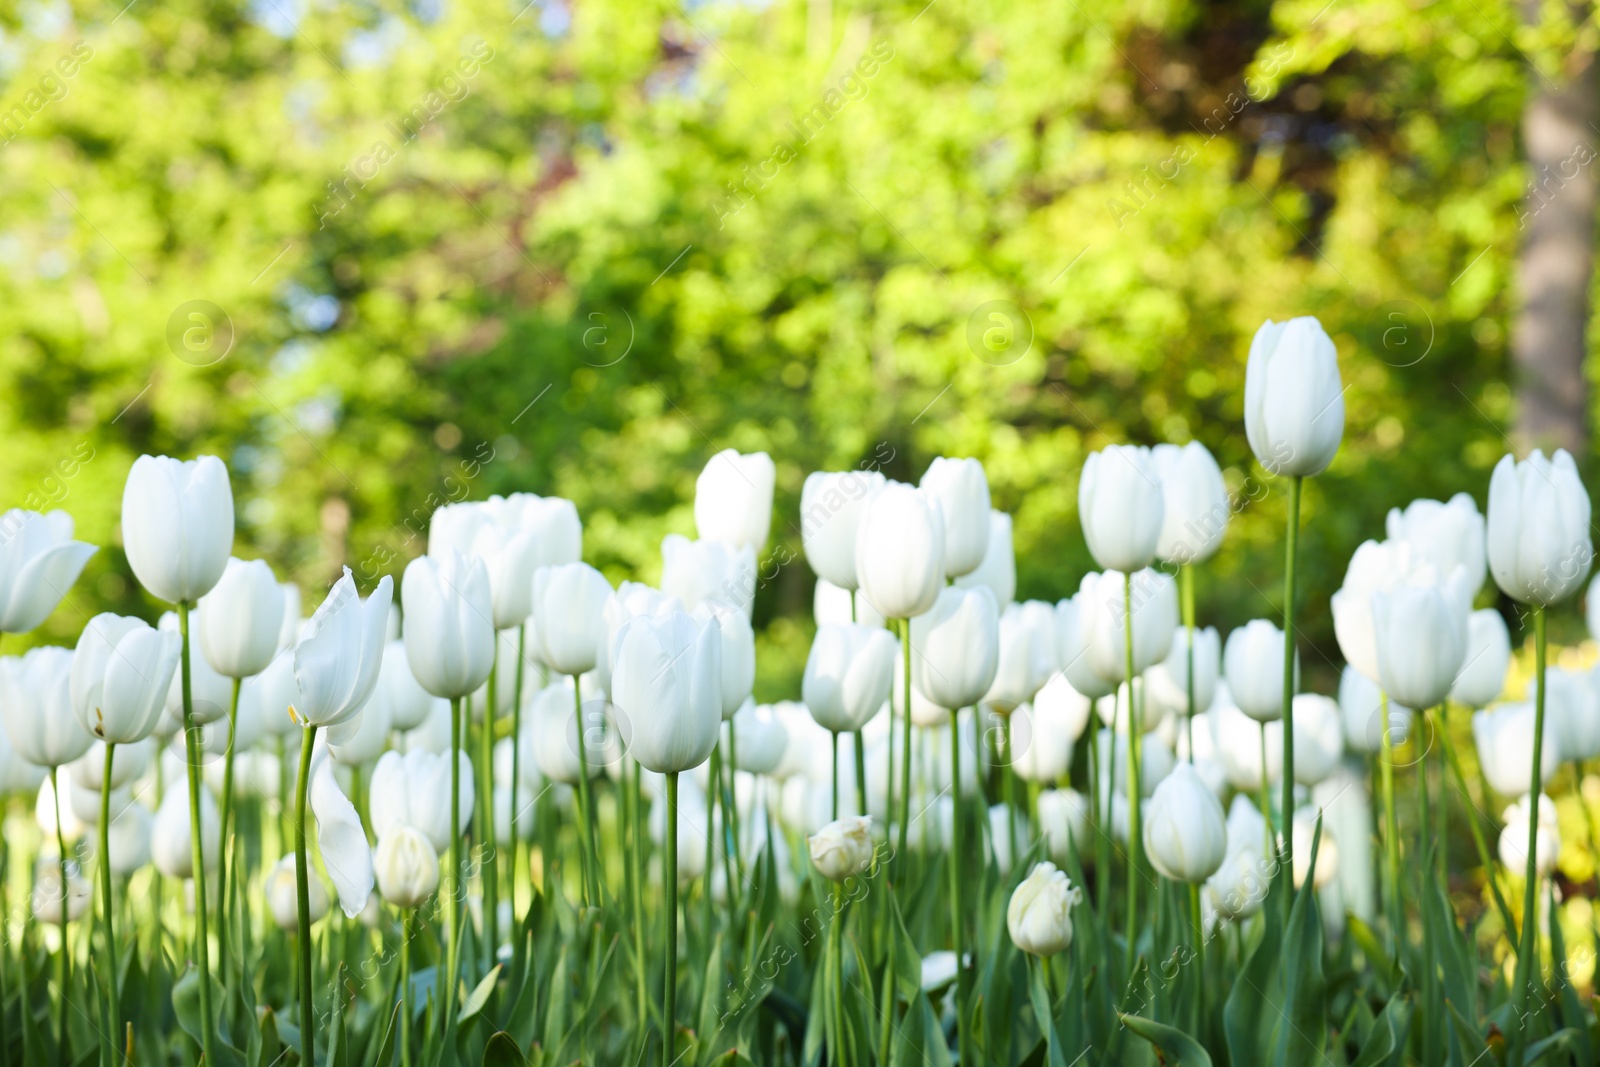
(447, 994)
(208, 1023)
(1443, 852)
(105, 887)
(63, 960)
(227, 823)
(905, 744)
(835, 738)
(1199, 956)
(302, 880)
(516, 765)
(1291, 551)
(1101, 804)
(487, 843)
(730, 806)
(956, 874)
(860, 748)
(1527, 970)
(405, 987)
(836, 1046)
(669, 924)
(1135, 744)
(1186, 595)
(713, 795)
(1266, 799)
(636, 864)
(1391, 832)
(586, 856)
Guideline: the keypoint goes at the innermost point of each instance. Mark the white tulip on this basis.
(449, 631)
(274, 692)
(210, 693)
(177, 525)
(121, 673)
(1121, 507)
(47, 895)
(1240, 741)
(346, 856)
(1041, 743)
(1168, 680)
(239, 621)
(998, 571)
(414, 790)
(738, 653)
(667, 682)
(1059, 703)
(1039, 914)
(1376, 567)
(1304, 829)
(1185, 834)
(1293, 398)
(1318, 737)
(569, 604)
(733, 499)
(362, 743)
(557, 530)
(900, 551)
(406, 867)
(1155, 763)
(697, 571)
(1482, 677)
(760, 738)
(36, 707)
(336, 663)
(1253, 664)
(842, 849)
(1422, 639)
(409, 704)
(1240, 884)
(1514, 837)
(849, 673)
(1064, 823)
(128, 840)
(1538, 528)
(39, 561)
(289, 630)
(830, 513)
(495, 532)
(1195, 503)
(962, 491)
(1447, 535)
(132, 762)
(1028, 654)
(1361, 710)
(1572, 707)
(1076, 621)
(956, 647)
(280, 887)
(1504, 738)
(551, 737)
(171, 845)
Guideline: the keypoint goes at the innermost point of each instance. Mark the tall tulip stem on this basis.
(516, 766)
(1291, 552)
(105, 882)
(488, 843)
(302, 885)
(1186, 595)
(860, 747)
(227, 822)
(1527, 970)
(587, 858)
(835, 738)
(405, 987)
(636, 865)
(447, 995)
(957, 872)
(669, 923)
(1135, 760)
(905, 741)
(1391, 826)
(1198, 917)
(63, 960)
(202, 948)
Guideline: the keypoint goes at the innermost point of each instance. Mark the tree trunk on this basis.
(1557, 223)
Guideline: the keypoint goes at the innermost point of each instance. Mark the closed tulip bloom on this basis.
(47, 895)
(848, 675)
(1446, 534)
(1538, 528)
(900, 552)
(843, 848)
(177, 525)
(1103, 606)
(962, 491)
(409, 704)
(830, 513)
(1241, 882)
(1504, 739)
(667, 681)
(1361, 711)
(1514, 837)
(171, 846)
(336, 664)
(697, 571)
(1028, 654)
(1041, 743)
(133, 760)
(449, 630)
(569, 604)
(1482, 677)
(1252, 661)
(1318, 737)
(998, 571)
(1075, 624)
(1185, 834)
(762, 738)
(1238, 740)
(1293, 398)
(36, 707)
(738, 653)
(346, 856)
(1059, 703)
(510, 551)
(121, 672)
(1039, 914)
(831, 604)
(1195, 503)
(39, 561)
(239, 621)
(1169, 679)
(1064, 823)
(1121, 507)
(1573, 707)
(129, 840)
(407, 867)
(629, 599)
(414, 790)
(1422, 639)
(279, 887)
(557, 529)
(550, 738)
(1376, 567)
(733, 499)
(289, 629)
(956, 647)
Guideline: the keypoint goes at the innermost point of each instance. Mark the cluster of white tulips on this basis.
(514, 700)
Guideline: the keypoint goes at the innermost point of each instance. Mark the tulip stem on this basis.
(835, 979)
(1200, 957)
(1186, 594)
(226, 820)
(1008, 781)
(202, 946)
(516, 767)
(669, 923)
(1291, 552)
(488, 843)
(1443, 712)
(956, 874)
(62, 960)
(636, 865)
(730, 803)
(586, 853)
(105, 882)
(302, 885)
(405, 987)
(1527, 969)
(1135, 761)
(905, 746)
(1391, 827)
(1266, 798)
(860, 747)
(447, 994)
(835, 738)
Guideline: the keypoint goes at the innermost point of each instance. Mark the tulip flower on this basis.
(409, 704)
(1538, 528)
(240, 619)
(1240, 884)
(1039, 914)
(172, 847)
(1447, 535)
(1168, 680)
(449, 631)
(998, 571)
(1361, 712)
(1572, 708)
(1195, 503)
(209, 694)
(177, 525)
(1028, 654)
(763, 739)
(509, 550)
(849, 674)
(365, 738)
(842, 849)
(1482, 677)
(569, 604)
(1421, 632)
(1041, 742)
(1185, 834)
(1304, 827)
(1505, 741)
(956, 647)
(1064, 822)
(39, 561)
(1293, 398)
(738, 653)
(831, 505)
(1075, 628)
(36, 707)
(279, 887)
(340, 838)
(1515, 836)
(46, 900)
(289, 630)
(961, 489)
(1104, 601)
(1121, 507)
(127, 845)
(697, 571)
(407, 867)
(1376, 567)
(1319, 737)
(1252, 661)
(900, 551)
(1063, 706)
(733, 499)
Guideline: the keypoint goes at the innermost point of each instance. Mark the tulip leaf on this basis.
(1173, 1045)
(473, 1008)
(502, 1051)
(1570, 1011)
(264, 1045)
(1388, 1034)
(1561, 1041)
(338, 1041)
(1043, 1014)
(709, 1027)
(558, 1012)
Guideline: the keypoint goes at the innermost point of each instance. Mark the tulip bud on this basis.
(1361, 709)
(1504, 739)
(1064, 822)
(1482, 677)
(449, 631)
(1240, 884)
(239, 621)
(1039, 915)
(1253, 663)
(121, 673)
(1185, 834)
(962, 491)
(1169, 679)
(830, 514)
(956, 647)
(47, 894)
(129, 840)
(1240, 741)
(1063, 706)
(493, 531)
(569, 604)
(171, 844)
(667, 681)
(1305, 830)
(998, 571)
(843, 848)
(1376, 567)
(414, 790)
(1121, 507)
(900, 551)
(1195, 503)
(848, 675)
(36, 707)
(1514, 837)
(407, 867)
(281, 890)
(738, 653)
(1041, 742)
(1318, 737)
(1103, 601)
(177, 525)
(1573, 709)
(1446, 535)
(1075, 628)
(1293, 398)
(409, 703)
(697, 571)
(39, 561)
(1538, 529)
(1421, 631)
(733, 499)
(1028, 654)
(761, 738)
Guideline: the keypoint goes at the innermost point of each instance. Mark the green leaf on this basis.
(501, 1051)
(1388, 1034)
(1174, 1046)
(385, 1053)
(558, 1012)
(338, 1041)
(474, 1006)
(708, 1028)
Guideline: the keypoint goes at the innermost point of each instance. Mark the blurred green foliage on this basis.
(472, 246)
